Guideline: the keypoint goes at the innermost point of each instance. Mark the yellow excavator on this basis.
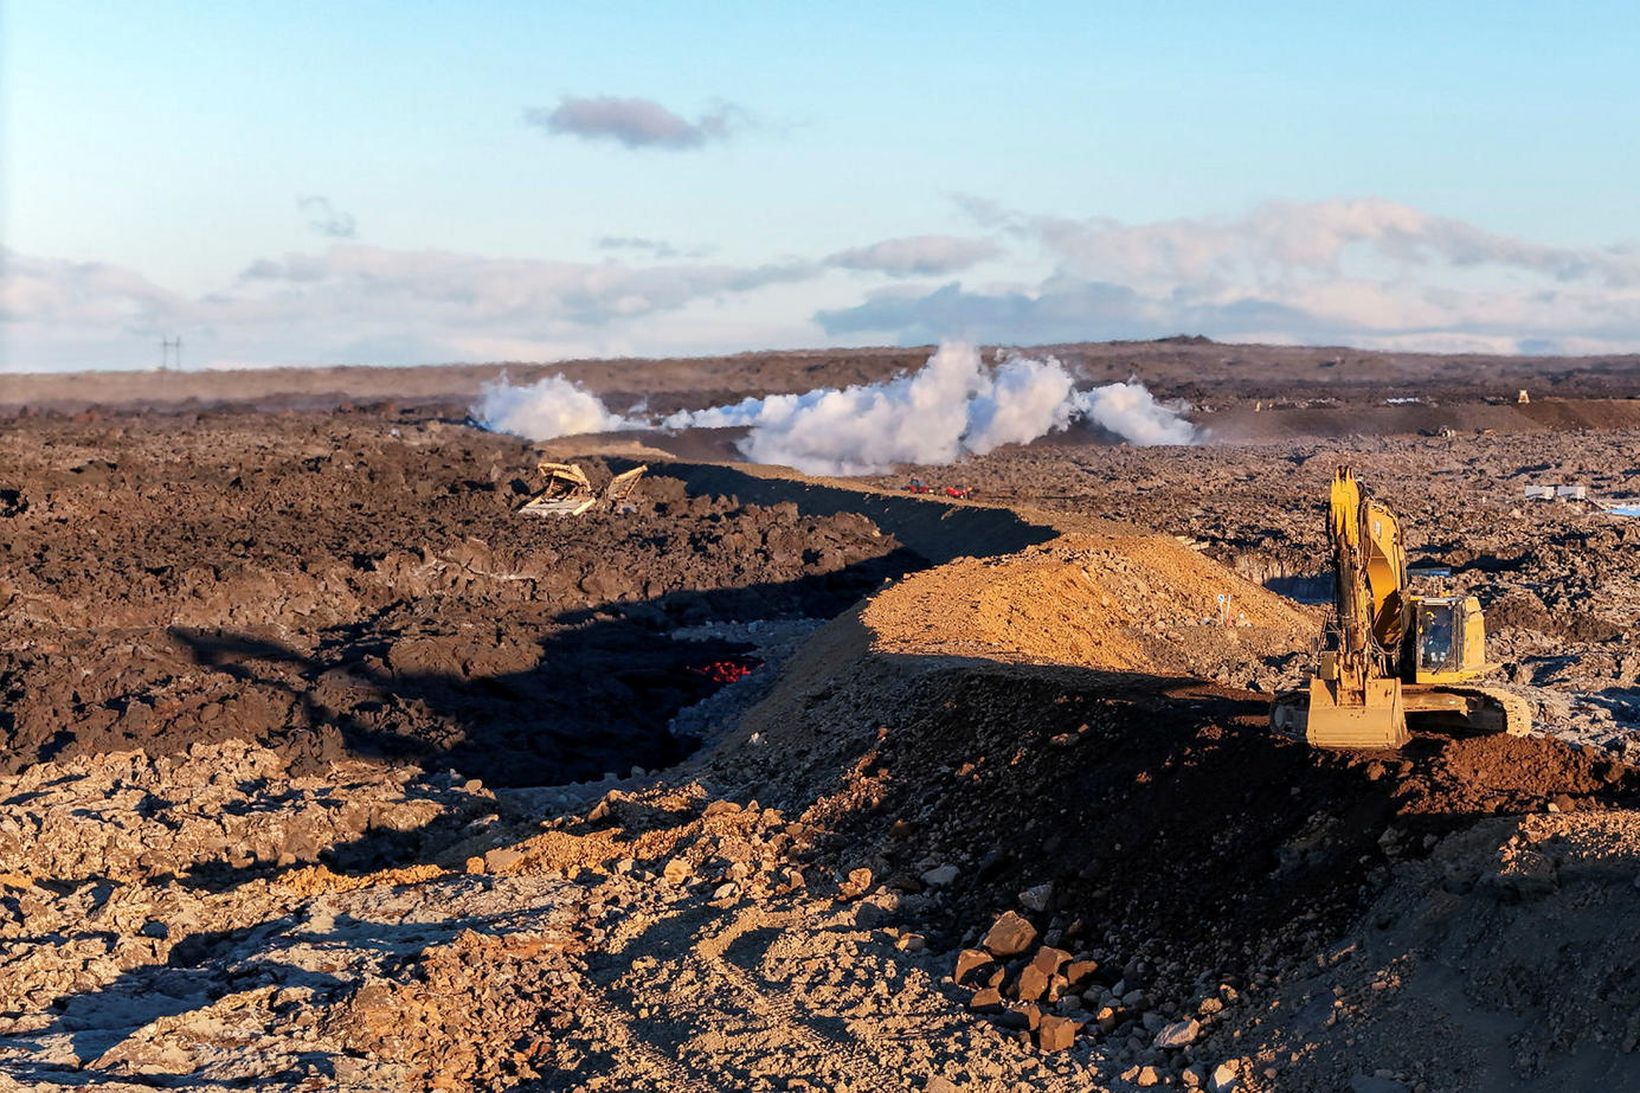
(1397, 655)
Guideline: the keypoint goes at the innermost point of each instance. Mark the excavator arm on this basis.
(1355, 700)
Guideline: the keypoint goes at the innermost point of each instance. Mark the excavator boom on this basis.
(1354, 701)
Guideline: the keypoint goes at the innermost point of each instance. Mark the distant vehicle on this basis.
(917, 485)
(963, 492)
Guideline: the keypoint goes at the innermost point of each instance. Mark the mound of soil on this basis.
(1125, 603)
(1174, 828)
(1182, 842)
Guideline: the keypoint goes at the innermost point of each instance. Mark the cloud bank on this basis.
(1365, 272)
(1369, 273)
(636, 122)
(954, 406)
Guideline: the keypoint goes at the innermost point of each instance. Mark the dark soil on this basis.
(1175, 828)
(335, 585)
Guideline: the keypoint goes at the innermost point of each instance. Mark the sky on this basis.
(413, 182)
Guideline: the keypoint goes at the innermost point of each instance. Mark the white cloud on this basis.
(1368, 272)
(358, 304)
(917, 255)
(1279, 240)
(636, 122)
(1362, 272)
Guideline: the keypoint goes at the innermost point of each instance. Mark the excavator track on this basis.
(1513, 711)
(1488, 710)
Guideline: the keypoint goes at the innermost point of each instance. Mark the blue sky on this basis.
(1443, 176)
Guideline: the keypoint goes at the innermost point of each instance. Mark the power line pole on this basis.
(166, 346)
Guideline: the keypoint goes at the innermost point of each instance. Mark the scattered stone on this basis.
(967, 961)
(857, 884)
(911, 943)
(1010, 935)
(986, 1000)
(677, 871)
(1032, 984)
(940, 876)
(1014, 1019)
(1050, 960)
(1148, 1076)
(1037, 897)
(1056, 1033)
(1224, 1078)
(1078, 972)
(1179, 1034)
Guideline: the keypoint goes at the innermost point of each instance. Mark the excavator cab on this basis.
(1450, 640)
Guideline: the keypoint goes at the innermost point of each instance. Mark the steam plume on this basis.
(951, 407)
(549, 407)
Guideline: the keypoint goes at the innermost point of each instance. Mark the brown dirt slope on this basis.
(1039, 721)
(1120, 603)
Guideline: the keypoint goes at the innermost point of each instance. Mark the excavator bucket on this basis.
(1337, 721)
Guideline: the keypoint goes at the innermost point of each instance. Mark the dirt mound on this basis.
(1171, 824)
(1030, 733)
(1144, 605)
(1129, 603)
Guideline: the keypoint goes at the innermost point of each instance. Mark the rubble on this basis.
(963, 852)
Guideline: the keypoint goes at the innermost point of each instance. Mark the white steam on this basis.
(547, 408)
(1131, 412)
(951, 407)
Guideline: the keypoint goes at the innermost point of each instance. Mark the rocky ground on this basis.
(326, 769)
(1558, 579)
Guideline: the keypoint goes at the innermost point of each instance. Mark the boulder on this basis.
(1010, 935)
(968, 960)
(1056, 1033)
